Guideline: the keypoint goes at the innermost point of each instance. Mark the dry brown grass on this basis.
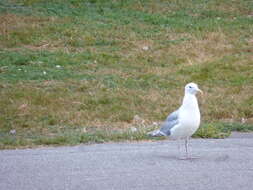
(10, 23)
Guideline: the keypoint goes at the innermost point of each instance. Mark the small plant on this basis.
(212, 130)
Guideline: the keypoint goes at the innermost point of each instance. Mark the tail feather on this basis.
(156, 133)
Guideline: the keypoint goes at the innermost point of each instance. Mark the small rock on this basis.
(23, 106)
(58, 66)
(243, 120)
(13, 131)
(145, 48)
(133, 129)
(138, 120)
(155, 123)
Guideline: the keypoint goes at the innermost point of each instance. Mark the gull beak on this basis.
(201, 92)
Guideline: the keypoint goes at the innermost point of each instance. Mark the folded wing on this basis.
(171, 121)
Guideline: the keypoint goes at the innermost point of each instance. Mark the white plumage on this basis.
(184, 122)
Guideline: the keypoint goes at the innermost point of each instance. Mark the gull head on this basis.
(192, 88)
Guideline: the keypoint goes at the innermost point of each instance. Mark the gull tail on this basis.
(156, 133)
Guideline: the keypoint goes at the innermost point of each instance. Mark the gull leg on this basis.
(186, 147)
(181, 155)
(187, 152)
(186, 157)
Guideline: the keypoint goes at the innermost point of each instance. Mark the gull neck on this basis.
(190, 101)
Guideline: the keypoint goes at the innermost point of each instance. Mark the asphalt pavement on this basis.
(225, 164)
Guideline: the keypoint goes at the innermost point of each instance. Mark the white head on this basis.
(192, 88)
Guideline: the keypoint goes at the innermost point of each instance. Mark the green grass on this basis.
(68, 136)
(66, 65)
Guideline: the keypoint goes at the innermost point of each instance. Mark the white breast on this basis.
(189, 118)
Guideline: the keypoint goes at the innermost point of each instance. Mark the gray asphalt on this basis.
(222, 164)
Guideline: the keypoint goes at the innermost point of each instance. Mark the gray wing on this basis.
(170, 122)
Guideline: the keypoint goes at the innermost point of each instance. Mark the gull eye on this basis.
(190, 87)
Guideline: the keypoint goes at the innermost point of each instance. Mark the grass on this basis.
(96, 64)
(66, 136)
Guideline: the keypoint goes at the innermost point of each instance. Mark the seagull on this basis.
(184, 122)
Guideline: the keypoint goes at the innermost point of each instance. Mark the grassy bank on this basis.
(72, 69)
(58, 136)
